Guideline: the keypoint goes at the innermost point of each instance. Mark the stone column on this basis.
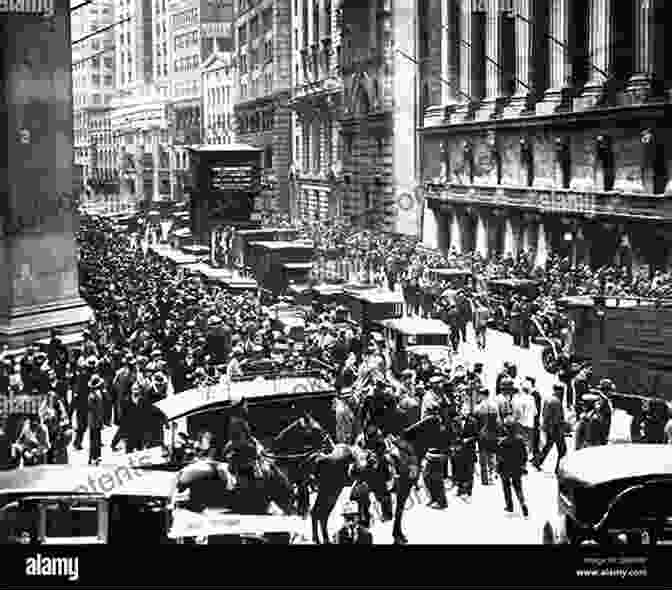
(466, 68)
(450, 51)
(156, 164)
(430, 228)
(556, 97)
(482, 239)
(456, 233)
(521, 101)
(526, 238)
(493, 45)
(542, 246)
(510, 242)
(639, 85)
(599, 51)
(38, 252)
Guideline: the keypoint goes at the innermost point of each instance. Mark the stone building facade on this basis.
(316, 179)
(93, 87)
(379, 114)
(545, 128)
(218, 89)
(262, 32)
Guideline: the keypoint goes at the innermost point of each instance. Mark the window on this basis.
(109, 62)
(95, 62)
(95, 80)
(95, 44)
(268, 157)
(96, 99)
(254, 27)
(108, 80)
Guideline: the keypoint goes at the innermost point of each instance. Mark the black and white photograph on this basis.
(324, 272)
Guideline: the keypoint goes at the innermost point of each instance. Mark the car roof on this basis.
(513, 282)
(253, 391)
(63, 479)
(451, 272)
(607, 463)
(417, 326)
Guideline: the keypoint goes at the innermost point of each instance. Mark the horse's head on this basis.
(303, 433)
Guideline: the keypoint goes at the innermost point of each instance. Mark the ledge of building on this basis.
(654, 110)
(21, 326)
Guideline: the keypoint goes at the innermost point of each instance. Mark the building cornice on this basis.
(589, 204)
(568, 119)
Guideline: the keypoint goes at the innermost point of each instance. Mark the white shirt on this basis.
(524, 409)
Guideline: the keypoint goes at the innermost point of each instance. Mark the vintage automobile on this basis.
(613, 494)
(272, 404)
(500, 294)
(404, 334)
(125, 503)
(455, 278)
(371, 305)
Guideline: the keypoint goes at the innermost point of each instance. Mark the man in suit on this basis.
(352, 531)
(553, 424)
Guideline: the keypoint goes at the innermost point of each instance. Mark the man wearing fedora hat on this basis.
(353, 532)
(95, 417)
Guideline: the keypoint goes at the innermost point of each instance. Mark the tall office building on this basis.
(379, 114)
(139, 119)
(316, 179)
(93, 87)
(263, 60)
(218, 84)
(197, 29)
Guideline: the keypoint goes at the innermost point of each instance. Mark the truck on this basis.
(625, 339)
(226, 180)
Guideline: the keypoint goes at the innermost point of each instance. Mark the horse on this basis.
(405, 452)
(295, 444)
(214, 483)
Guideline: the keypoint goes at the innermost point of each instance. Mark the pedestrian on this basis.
(464, 457)
(525, 413)
(553, 424)
(96, 417)
(353, 532)
(481, 317)
(488, 419)
(511, 461)
(530, 382)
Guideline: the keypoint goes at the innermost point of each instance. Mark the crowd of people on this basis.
(158, 332)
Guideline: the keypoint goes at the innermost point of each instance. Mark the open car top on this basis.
(254, 391)
(187, 524)
(606, 463)
(417, 326)
(451, 272)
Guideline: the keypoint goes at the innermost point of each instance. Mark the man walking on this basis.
(487, 416)
(512, 457)
(554, 428)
